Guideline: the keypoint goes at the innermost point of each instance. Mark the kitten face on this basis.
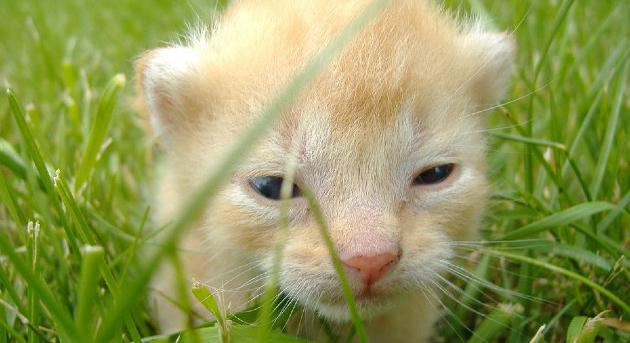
(399, 101)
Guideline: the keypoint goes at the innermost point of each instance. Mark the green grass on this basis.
(76, 169)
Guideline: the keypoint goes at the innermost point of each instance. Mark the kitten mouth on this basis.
(369, 301)
(368, 294)
(365, 296)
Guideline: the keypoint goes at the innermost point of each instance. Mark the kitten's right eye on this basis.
(434, 175)
(270, 187)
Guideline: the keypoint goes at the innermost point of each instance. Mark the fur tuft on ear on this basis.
(492, 54)
(165, 87)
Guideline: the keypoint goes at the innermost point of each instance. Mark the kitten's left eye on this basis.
(270, 187)
(434, 175)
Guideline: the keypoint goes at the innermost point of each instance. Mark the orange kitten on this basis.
(386, 139)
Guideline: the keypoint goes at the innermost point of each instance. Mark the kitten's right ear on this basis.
(165, 82)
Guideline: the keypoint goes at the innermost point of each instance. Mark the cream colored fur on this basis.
(399, 99)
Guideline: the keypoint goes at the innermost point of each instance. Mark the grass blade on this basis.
(7, 197)
(100, 127)
(10, 159)
(595, 286)
(611, 131)
(59, 314)
(561, 218)
(29, 141)
(88, 288)
(271, 288)
(343, 279)
(577, 253)
(498, 321)
(612, 215)
(203, 295)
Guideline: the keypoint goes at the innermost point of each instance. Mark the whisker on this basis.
(483, 315)
(463, 292)
(468, 115)
(482, 243)
(450, 313)
(459, 271)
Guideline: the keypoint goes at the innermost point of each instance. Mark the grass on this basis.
(76, 170)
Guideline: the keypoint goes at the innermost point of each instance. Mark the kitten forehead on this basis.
(412, 49)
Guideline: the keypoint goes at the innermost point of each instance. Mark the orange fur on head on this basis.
(400, 98)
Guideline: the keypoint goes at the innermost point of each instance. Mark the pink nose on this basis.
(371, 268)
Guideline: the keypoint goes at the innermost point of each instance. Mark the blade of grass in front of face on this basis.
(336, 262)
(238, 152)
(271, 287)
(182, 288)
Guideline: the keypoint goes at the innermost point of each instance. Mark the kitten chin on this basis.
(388, 138)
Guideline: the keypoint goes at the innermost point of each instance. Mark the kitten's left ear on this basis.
(492, 56)
(168, 91)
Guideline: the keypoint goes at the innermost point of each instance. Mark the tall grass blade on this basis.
(614, 214)
(495, 323)
(203, 295)
(336, 262)
(59, 314)
(271, 288)
(611, 131)
(29, 141)
(100, 127)
(565, 217)
(595, 286)
(88, 288)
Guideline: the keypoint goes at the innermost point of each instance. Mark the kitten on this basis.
(386, 137)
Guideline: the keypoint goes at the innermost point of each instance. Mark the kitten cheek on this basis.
(242, 199)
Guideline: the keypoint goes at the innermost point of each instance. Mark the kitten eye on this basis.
(270, 187)
(434, 175)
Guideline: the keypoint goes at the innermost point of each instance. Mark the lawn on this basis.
(77, 167)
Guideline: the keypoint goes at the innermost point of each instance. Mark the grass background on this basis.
(557, 224)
